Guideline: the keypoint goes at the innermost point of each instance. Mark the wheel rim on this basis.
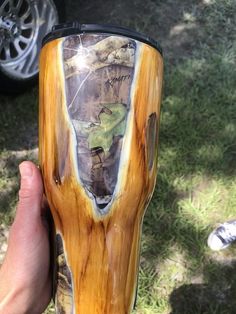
(23, 24)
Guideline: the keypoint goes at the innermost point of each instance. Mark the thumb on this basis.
(30, 194)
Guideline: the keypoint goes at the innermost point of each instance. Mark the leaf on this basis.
(111, 125)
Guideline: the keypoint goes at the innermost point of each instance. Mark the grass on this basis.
(18, 141)
(197, 163)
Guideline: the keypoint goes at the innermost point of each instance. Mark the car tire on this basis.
(19, 56)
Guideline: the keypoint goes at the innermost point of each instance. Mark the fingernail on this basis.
(26, 170)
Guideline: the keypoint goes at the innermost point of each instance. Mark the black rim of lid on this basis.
(71, 28)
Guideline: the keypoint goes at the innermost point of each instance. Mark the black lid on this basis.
(71, 28)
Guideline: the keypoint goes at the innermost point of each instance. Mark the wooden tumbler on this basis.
(100, 93)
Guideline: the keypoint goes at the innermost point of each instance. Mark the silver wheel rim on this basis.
(23, 24)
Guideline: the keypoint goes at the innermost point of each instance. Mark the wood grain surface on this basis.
(98, 250)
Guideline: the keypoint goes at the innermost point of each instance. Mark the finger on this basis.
(31, 192)
(27, 228)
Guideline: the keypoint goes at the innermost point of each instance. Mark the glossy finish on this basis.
(99, 118)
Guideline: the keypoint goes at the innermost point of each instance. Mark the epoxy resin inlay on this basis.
(98, 76)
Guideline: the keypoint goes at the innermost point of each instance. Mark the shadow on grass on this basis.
(19, 121)
(162, 230)
(18, 141)
(153, 18)
(217, 296)
(202, 299)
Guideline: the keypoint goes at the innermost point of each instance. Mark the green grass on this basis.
(197, 157)
(18, 141)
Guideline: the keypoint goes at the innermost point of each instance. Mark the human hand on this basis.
(25, 283)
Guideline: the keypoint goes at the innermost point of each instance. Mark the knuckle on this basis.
(25, 193)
